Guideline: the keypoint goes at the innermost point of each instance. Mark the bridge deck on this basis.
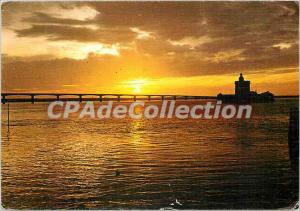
(49, 97)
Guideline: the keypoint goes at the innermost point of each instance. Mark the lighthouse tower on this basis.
(242, 90)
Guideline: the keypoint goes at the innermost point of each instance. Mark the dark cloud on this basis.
(81, 34)
(176, 20)
(250, 28)
(40, 18)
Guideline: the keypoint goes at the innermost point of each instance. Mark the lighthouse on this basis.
(242, 90)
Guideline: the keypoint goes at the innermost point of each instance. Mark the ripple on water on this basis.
(202, 164)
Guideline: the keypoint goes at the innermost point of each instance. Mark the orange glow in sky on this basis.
(190, 48)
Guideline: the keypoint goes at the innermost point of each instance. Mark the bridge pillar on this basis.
(162, 97)
(80, 98)
(119, 98)
(134, 98)
(32, 99)
(3, 99)
(57, 97)
(149, 97)
(100, 98)
(174, 97)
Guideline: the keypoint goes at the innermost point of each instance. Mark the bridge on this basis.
(49, 97)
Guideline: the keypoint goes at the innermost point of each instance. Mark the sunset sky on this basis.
(192, 48)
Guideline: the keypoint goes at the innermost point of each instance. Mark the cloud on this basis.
(80, 13)
(80, 34)
(152, 39)
(283, 45)
(191, 42)
(141, 34)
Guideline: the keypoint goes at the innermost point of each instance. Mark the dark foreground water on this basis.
(163, 163)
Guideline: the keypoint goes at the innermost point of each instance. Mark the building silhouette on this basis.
(242, 89)
(243, 94)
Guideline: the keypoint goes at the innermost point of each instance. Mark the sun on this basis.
(137, 88)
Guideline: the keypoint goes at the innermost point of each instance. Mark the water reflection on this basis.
(184, 164)
(136, 128)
